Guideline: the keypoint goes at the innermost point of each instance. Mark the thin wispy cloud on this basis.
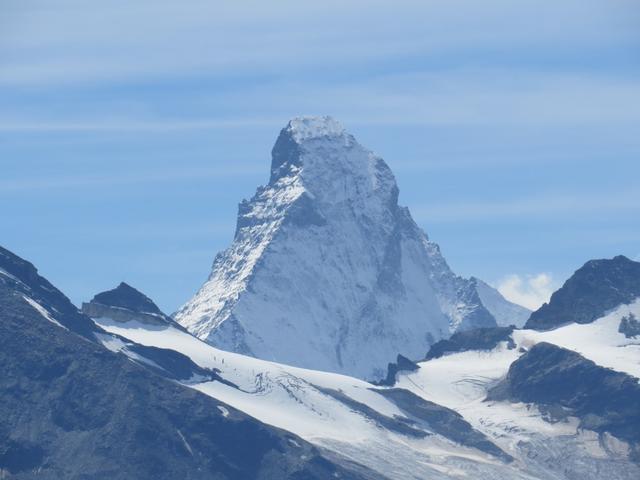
(161, 175)
(549, 205)
(127, 125)
(74, 43)
(469, 97)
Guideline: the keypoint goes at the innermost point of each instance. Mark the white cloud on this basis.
(530, 291)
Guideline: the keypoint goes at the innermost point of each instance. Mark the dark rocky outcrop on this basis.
(476, 339)
(72, 409)
(126, 296)
(402, 364)
(442, 420)
(562, 381)
(597, 287)
(630, 326)
(123, 304)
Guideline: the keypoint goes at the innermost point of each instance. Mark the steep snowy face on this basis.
(326, 271)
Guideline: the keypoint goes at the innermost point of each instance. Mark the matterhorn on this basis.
(326, 271)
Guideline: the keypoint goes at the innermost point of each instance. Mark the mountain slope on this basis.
(326, 271)
(434, 422)
(463, 375)
(566, 384)
(72, 409)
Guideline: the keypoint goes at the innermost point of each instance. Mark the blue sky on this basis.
(129, 131)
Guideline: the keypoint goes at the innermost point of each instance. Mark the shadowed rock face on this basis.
(595, 288)
(124, 304)
(72, 409)
(22, 278)
(477, 339)
(563, 381)
(402, 364)
(126, 296)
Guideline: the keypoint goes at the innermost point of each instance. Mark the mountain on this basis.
(564, 402)
(125, 303)
(595, 288)
(73, 409)
(441, 418)
(327, 271)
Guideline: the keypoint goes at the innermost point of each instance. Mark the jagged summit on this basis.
(316, 157)
(307, 127)
(286, 153)
(326, 270)
(125, 296)
(123, 304)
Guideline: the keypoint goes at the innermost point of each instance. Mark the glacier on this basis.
(366, 424)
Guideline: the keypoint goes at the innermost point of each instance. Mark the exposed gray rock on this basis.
(629, 326)
(597, 287)
(563, 383)
(477, 339)
(402, 364)
(124, 304)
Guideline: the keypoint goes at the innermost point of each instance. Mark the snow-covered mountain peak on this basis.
(326, 270)
(310, 126)
(319, 156)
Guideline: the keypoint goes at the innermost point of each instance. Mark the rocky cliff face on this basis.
(123, 304)
(595, 288)
(326, 270)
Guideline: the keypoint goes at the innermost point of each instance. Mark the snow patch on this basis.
(185, 443)
(43, 311)
(110, 342)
